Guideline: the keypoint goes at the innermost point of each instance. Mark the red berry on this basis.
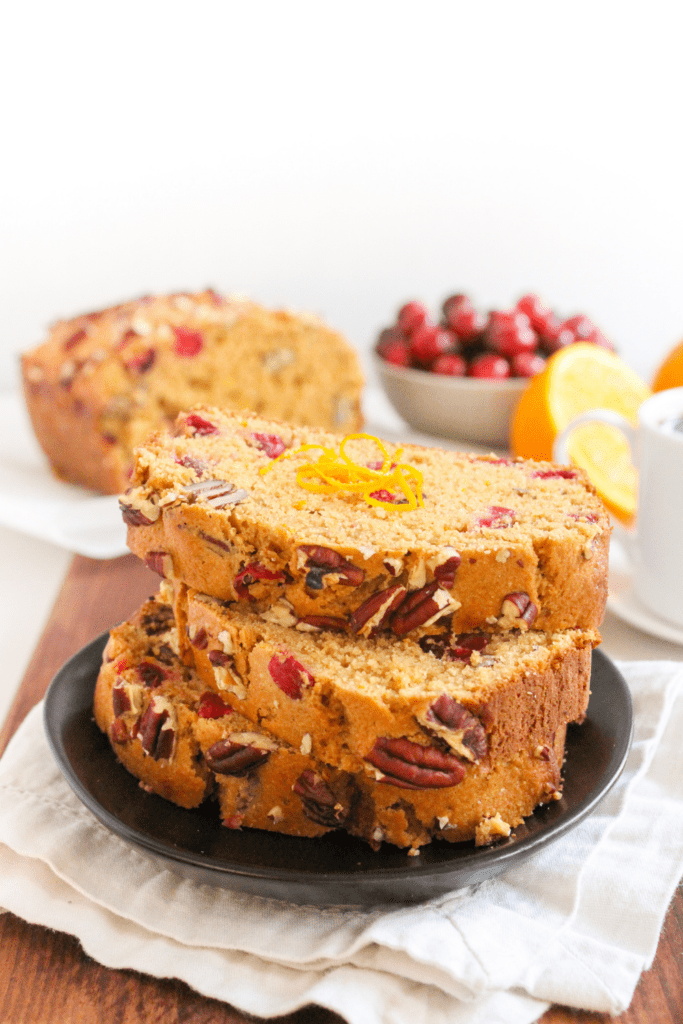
(212, 706)
(271, 444)
(510, 333)
(200, 425)
(489, 366)
(527, 364)
(555, 338)
(428, 342)
(581, 327)
(411, 316)
(398, 353)
(541, 317)
(386, 337)
(450, 364)
(187, 342)
(462, 317)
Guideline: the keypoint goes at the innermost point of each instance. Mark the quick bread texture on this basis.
(220, 504)
(184, 742)
(103, 381)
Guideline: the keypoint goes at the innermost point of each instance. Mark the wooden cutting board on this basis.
(45, 976)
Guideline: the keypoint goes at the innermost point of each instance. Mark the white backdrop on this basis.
(344, 158)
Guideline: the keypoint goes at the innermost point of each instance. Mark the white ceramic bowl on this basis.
(459, 408)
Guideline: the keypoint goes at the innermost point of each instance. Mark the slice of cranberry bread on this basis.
(387, 708)
(184, 742)
(497, 544)
(103, 381)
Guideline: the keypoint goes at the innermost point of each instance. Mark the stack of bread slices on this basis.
(353, 636)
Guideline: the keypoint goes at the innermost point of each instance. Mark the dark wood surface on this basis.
(45, 977)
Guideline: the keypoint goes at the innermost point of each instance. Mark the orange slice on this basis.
(670, 373)
(577, 379)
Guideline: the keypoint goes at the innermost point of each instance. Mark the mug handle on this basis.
(561, 455)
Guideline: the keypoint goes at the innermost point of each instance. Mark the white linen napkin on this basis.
(35, 502)
(576, 924)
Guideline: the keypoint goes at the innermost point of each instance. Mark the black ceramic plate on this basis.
(336, 869)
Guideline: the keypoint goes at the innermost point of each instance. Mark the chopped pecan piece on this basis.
(320, 561)
(151, 674)
(156, 729)
(519, 606)
(445, 571)
(469, 736)
(317, 622)
(372, 614)
(319, 802)
(138, 511)
(422, 608)
(160, 562)
(412, 766)
(229, 758)
(216, 493)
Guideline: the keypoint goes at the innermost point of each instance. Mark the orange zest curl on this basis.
(336, 472)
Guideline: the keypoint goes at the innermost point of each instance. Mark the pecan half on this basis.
(289, 675)
(412, 766)
(156, 729)
(371, 615)
(422, 608)
(519, 606)
(458, 727)
(321, 561)
(319, 802)
(228, 758)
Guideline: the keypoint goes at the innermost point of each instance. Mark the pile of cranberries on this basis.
(467, 343)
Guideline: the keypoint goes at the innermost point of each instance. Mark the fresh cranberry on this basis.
(141, 362)
(187, 342)
(581, 327)
(554, 474)
(386, 337)
(270, 444)
(75, 338)
(411, 316)
(497, 517)
(127, 337)
(398, 353)
(428, 342)
(508, 334)
(462, 317)
(527, 364)
(450, 365)
(541, 317)
(212, 706)
(555, 337)
(290, 675)
(392, 499)
(489, 366)
(201, 426)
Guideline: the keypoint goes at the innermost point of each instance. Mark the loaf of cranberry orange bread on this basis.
(184, 743)
(365, 537)
(103, 381)
(387, 707)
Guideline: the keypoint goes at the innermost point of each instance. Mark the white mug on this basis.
(655, 547)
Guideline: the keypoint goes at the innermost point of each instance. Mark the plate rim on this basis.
(478, 859)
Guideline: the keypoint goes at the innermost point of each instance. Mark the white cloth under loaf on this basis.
(576, 924)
